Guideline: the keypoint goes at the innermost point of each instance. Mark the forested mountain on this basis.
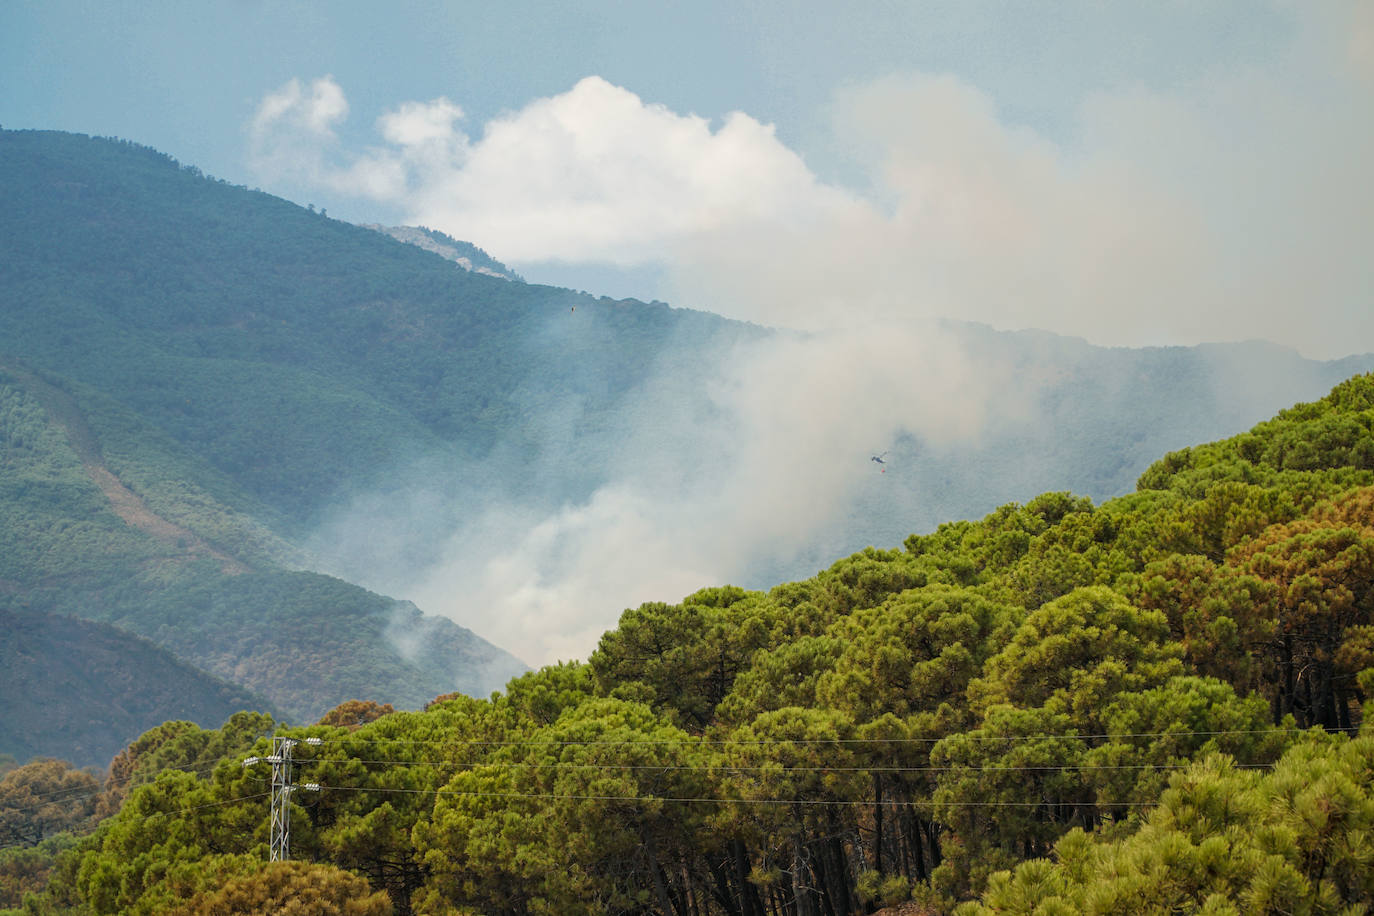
(82, 691)
(295, 353)
(193, 371)
(1159, 704)
(194, 376)
(104, 517)
(183, 390)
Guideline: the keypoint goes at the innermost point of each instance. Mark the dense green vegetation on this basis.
(189, 566)
(88, 689)
(230, 319)
(1151, 705)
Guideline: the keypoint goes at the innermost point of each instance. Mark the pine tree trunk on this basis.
(878, 822)
(665, 901)
(724, 894)
(801, 892)
(918, 852)
(689, 888)
(750, 902)
(840, 883)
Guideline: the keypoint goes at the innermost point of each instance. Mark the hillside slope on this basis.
(231, 319)
(77, 539)
(81, 691)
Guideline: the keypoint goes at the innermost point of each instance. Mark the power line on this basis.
(201, 770)
(647, 799)
(282, 788)
(84, 792)
(690, 740)
(764, 768)
(187, 809)
(836, 802)
(228, 801)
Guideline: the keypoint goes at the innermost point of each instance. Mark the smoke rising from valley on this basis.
(1230, 208)
(752, 464)
(730, 466)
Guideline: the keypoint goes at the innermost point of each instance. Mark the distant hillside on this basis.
(194, 376)
(191, 371)
(1096, 417)
(299, 355)
(81, 691)
(195, 574)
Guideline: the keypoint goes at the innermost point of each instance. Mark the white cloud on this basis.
(982, 221)
(597, 174)
(592, 174)
(419, 124)
(1234, 207)
(314, 109)
(292, 139)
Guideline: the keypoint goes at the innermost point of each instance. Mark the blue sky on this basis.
(187, 76)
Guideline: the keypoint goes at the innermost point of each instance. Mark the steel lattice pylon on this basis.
(281, 799)
(279, 849)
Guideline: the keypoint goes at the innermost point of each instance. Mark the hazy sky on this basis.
(1164, 172)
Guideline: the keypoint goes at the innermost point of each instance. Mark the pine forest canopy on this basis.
(1156, 704)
